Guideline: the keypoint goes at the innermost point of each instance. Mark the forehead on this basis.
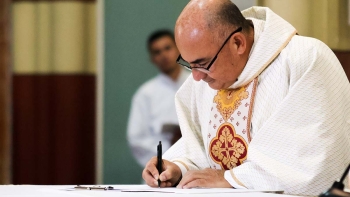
(196, 46)
(162, 42)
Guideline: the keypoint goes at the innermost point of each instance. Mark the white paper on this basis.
(139, 191)
(221, 190)
(145, 188)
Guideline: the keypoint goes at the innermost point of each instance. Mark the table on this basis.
(67, 190)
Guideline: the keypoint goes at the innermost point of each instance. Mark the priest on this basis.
(264, 108)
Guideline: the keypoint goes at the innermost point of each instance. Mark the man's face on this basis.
(164, 53)
(224, 71)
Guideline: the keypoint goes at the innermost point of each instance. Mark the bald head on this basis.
(205, 34)
(219, 17)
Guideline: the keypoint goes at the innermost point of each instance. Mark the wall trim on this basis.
(100, 92)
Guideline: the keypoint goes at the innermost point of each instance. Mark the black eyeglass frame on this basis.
(188, 66)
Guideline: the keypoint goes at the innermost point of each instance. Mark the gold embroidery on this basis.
(255, 83)
(229, 100)
(228, 149)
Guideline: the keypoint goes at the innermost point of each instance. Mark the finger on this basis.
(168, 184)
(190, 176)
(195, 183)
(165, 184)
(152, 168)
(172, 173)
(149, 179)
(166, 175)
(201, 174)
(150, 173)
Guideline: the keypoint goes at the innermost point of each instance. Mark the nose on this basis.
(198, 75)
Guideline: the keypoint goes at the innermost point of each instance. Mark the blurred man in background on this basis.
(153, 116)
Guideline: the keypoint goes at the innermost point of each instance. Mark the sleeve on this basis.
(189, 152)
(139, 134)
(304, 145)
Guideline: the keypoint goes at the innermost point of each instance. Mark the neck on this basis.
(174, 74)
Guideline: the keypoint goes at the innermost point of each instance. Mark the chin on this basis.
(215, 86)
(167, 69)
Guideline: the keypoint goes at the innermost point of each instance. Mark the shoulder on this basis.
(146, 89)
(309, 55)
(307, 52)
(309, 41)
(307, 47)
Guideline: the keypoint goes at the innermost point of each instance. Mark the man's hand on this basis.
(169, 177)
(208, 178)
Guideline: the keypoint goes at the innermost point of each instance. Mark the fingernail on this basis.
(185, 187)
(156, 183)
(156, 177)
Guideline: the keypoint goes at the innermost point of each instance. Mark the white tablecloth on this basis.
(67, 190)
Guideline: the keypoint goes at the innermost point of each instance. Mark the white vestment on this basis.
(153, 107)
(299, 138)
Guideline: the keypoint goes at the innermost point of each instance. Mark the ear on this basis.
(240, 42)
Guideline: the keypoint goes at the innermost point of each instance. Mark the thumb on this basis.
(166, 175)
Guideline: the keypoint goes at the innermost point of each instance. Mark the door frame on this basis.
(5, 92)
(100, 92)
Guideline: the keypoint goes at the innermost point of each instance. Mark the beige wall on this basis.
(54, 37)
(323, 19)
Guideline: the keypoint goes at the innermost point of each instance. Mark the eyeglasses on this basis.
(187, 65)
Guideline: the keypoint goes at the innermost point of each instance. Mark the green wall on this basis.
(127, 66)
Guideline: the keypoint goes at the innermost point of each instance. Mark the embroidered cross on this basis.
(237, 123)
(246, 105)
(227, 149)
(239, 113)
(227, 114)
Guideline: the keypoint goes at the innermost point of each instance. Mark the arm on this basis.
(139, 134)
(188, 153)
(303, 146)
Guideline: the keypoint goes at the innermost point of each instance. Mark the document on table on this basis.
(145, 188)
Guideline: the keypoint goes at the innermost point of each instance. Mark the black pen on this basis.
(94, 187)
(159, 160)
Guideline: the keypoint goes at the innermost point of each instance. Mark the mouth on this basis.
(208, 80)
